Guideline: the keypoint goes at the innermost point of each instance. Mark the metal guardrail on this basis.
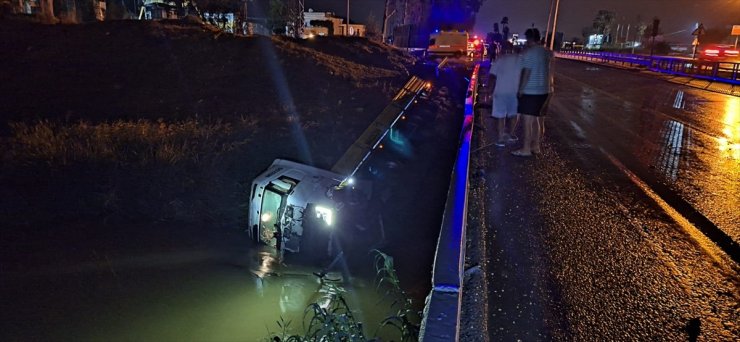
(717, 71)
(441, 321)
(361, 149)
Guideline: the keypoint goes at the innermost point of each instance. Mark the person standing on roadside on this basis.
(506, 74)
(534, 91)
(494, 40)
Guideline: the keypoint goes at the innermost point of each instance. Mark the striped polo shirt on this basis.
(537, 59)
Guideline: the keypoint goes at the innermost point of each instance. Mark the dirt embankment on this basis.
(135, 121)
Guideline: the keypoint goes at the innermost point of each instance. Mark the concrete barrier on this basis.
(441, 321)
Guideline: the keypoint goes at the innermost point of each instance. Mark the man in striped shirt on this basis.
(534, 90)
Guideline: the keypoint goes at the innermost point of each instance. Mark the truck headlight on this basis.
(324, 214)
(266, 217)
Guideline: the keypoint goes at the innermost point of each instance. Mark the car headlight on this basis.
(325, 214)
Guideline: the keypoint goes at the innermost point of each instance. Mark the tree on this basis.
(221, 5)
(277, 20)
(647, 33)
(285, 17)
(47, 12)
(603, 21)
(372, 28)
(116, 10)
(641, 29)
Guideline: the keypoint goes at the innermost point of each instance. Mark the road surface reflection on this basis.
(729, 143)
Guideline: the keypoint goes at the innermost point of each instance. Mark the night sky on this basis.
(359, 10)
(675, 15)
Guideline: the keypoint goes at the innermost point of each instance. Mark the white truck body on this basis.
(282, 194)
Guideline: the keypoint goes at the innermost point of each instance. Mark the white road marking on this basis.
(579, 130)
(678, 102)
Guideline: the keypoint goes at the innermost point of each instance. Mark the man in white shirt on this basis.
(534, 90)
(506, 73)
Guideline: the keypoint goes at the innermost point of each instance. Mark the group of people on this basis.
(522, 87)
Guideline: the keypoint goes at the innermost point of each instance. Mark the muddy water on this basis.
(230, 294)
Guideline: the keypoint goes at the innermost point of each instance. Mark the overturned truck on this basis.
(294, 207)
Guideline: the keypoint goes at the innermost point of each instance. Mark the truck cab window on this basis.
(270, 216)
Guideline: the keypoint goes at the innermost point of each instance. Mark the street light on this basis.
(549, 20)
(554, 24)
(346, 32)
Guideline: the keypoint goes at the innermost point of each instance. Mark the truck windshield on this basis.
(270, 214)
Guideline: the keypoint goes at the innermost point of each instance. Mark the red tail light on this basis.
(731, 52)
(711, 52)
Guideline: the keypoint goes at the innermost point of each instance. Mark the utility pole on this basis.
(346, 32)
(627, 35)
(697, 33)
(386, 15)
(554, 24)
(301, 19)
(656, 30)
(385, 24)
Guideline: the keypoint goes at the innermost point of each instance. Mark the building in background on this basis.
(328, 24)
(154, 10)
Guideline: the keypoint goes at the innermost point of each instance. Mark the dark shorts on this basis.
(532, 104)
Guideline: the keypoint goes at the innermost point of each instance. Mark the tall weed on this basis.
(139, 142)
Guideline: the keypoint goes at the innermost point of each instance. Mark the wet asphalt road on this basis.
(582, 243)
(684, 138)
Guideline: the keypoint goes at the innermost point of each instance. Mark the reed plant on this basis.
(336, 322)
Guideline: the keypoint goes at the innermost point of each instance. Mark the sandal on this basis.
(519, 153)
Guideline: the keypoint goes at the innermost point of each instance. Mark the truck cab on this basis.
(293, 206)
